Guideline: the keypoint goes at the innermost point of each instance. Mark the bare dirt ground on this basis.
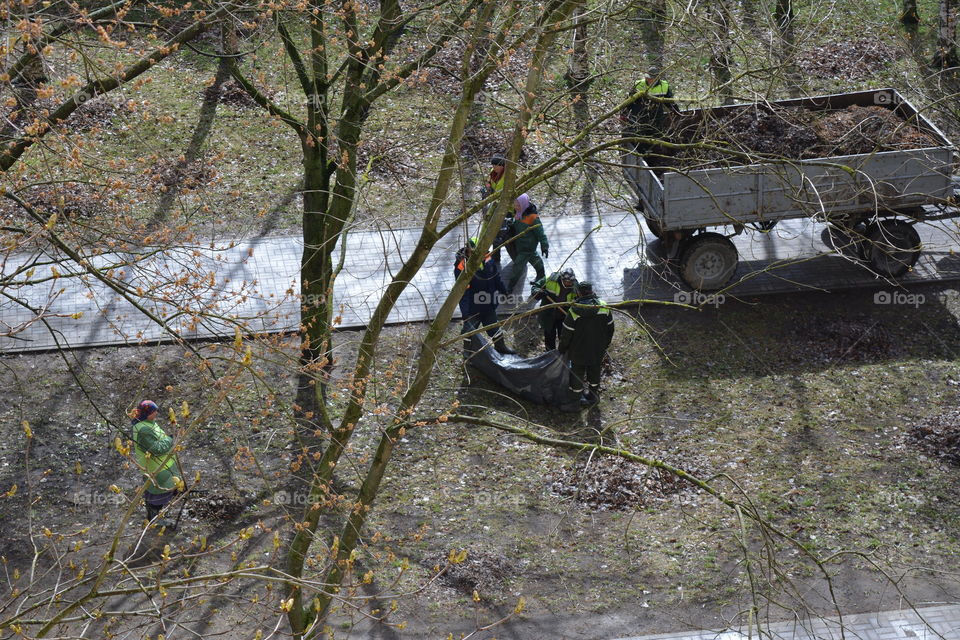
(814, 421)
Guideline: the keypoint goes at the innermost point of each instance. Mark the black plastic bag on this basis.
(544, 379)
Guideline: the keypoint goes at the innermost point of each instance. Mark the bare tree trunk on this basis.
(720, 57)
(750, 9)
(578, 83)
(652, 16)
(104, 84)
(946, 54)
(909, 16)
(784, 18)
(24, 88)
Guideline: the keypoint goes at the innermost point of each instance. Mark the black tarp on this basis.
(543, 379)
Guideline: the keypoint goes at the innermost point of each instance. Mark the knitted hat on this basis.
(145, 408)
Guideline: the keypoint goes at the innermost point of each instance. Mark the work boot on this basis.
(593, 391)
(168, 524)
(589, 398)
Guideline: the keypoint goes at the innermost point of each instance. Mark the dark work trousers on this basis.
(585, 375)
(552, 323)
(518, 270)
(157, 501)
(480, 319)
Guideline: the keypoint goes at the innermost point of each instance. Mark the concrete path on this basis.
(926, 623)
(204, 292)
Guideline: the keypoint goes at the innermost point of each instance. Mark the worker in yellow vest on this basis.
(498, 165)
(648, 115)
(494, 184)
(585, 336)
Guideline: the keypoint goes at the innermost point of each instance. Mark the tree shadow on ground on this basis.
(805, 332)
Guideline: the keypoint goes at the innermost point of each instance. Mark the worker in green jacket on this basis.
(557, 288)
(154, 453)
(529, 228)
(584, 338)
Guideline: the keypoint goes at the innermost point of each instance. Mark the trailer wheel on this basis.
(893, 246)
(655, 227)
(847, 241)
(708, 261)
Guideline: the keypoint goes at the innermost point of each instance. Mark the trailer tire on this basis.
(655, 227)
(847, 241)
(893, 247)
(708, 261)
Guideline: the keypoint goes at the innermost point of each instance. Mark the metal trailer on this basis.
(870, 201)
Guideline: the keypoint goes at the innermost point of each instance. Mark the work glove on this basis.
(545, 252)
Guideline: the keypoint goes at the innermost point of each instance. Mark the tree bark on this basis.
(579, 79)
(784, 18)
(720, 56)
(653, 22)
(946, 54)
(750, 10)
(16, 148)
(909, 16)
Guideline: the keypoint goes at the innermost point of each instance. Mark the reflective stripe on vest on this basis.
(552, 286)
(602, 311)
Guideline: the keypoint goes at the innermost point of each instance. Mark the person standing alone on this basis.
(155, 456)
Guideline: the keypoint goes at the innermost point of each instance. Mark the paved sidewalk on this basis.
(204, 292)
(925, 623)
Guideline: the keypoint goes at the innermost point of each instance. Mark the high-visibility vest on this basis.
(552, 286)
(604, 310)
(659, 90)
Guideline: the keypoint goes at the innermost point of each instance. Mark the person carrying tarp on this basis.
(478, 306)
(529, 229)
(584, 338)
(153, 449)
(558, 287)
